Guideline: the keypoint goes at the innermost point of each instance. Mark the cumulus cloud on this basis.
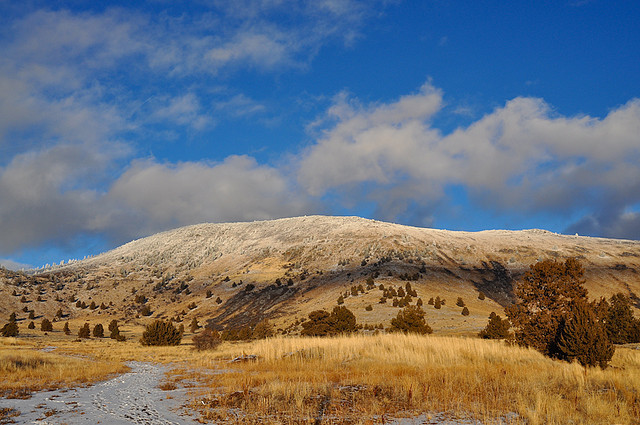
(151, 196)
(49, 194)
(79, 88)
(53, 195)
(523, 157)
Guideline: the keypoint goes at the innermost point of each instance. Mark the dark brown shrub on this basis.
(410, 320)
(583, 338)
(98, 331)
(46, 325)
(206, 340)
(84, 331)
(161, 333)
(497, 328)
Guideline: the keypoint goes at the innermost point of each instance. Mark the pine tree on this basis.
(497, 328)
(410, 320)
(543, 299)
(161, 333)
(437, 304)
(10, 329)
(46, 325)
(84, 331)
(98, 331)
(66, 329)
(194, 326)
(620, 323)
(583, 338)
(264, 329)
(465, 311)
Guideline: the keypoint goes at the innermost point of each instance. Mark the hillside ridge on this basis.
(231, 274)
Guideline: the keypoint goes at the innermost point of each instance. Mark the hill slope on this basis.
(237, 273)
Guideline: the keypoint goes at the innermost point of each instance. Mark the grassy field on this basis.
(356, 379)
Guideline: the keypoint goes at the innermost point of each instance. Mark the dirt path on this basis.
(131, 398)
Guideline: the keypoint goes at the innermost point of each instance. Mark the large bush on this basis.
(583, 338)
(161, 333)
(410, 320)
(322, 323)
(497, 328)
(10, 329)
(206, 340)
(46, 325)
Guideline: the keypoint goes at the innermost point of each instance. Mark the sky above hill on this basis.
(122, 119)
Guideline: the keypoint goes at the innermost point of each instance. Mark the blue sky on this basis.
(122, 119)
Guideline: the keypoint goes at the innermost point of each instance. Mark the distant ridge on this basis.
(284, 268)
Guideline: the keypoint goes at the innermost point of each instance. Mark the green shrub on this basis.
(161, 333)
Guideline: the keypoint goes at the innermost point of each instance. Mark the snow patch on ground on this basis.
(131, 398)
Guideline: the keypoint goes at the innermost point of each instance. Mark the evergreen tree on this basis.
(206, 340)
(497, 328)
(84, 331)
(543, 298)
(583, 338)
(264, 329)
(194, 326)
(437, 304)
(323, 323)
(98, 331)
(465, 311)
(410, 320)
(31, 325)
(46, 325)
(10, 329)
(620, 324)
(161, 333)
(66, 329)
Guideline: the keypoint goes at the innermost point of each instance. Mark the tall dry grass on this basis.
(25, 368)
(365, 379)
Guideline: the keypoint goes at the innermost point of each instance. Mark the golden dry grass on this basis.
(364, 379)
(24, 368)
(356, 379)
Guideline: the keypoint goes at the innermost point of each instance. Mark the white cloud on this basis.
(372, 144)
(522, 157)
(152, 196)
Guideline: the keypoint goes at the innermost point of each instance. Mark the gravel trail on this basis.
(131, 398)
